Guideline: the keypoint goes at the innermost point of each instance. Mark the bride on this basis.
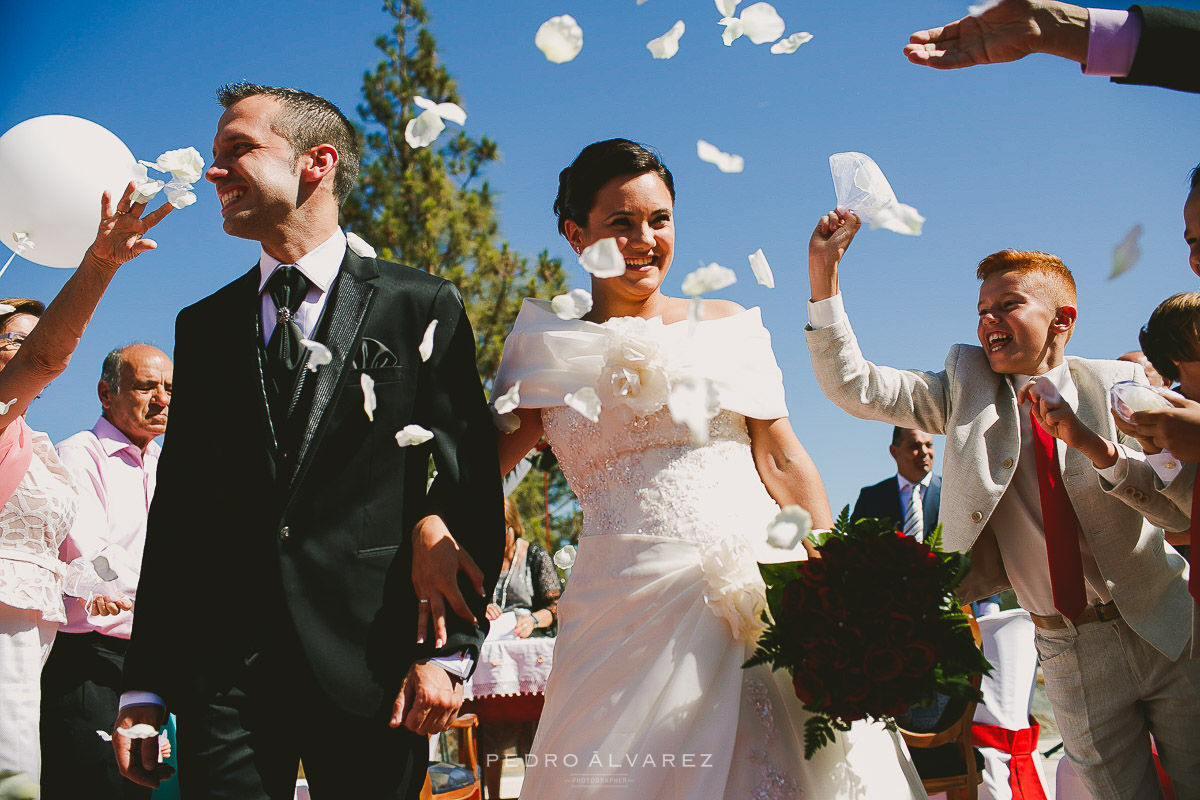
(648, 698)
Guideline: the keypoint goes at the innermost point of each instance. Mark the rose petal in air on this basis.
(762, 23)
(666, 45)
(4, 407)
(180, 194)
(412, 434)
(360, 247)
(423, 129)
(899, 218)
(451, 112)
(186, 164)
(508, 401)
(585, 401)
(726, 8)
(789, 527)
(104, 736)
(5, 308)
(140, 731)
(708, 279)
(572, 305)
(733, 30)
(603, 259)
(565, 558)
(368, 389)
(559, 38)
(1126, 253)
(726, 162)
(761, 269)
(320, 355)
(791, 44)
(426, 347)
(693, 402)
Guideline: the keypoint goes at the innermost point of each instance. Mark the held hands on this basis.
(1129, 429)
(137, 759)
(119, 237)
(437, 560)
(525, 625)
(833, 234)
(1176, 429)
(428, 701)
(1008, 31)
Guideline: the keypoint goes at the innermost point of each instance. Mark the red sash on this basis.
(1020, 745)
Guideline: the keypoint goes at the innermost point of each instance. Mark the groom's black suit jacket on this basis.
(258, 528)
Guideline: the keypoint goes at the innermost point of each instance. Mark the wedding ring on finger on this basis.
(424, 601)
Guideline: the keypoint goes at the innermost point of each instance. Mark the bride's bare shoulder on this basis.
(713, 309)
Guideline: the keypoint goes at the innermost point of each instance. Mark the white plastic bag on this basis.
(1130, 396)
(861, 187)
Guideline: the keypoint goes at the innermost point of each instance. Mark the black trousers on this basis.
(80, 692)
(245, 741)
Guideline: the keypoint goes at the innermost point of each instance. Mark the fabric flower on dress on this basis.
(761, 269)
(667, 45)
(368, 389)
(559, 38)
(603, 259)
(429, 124)
(708, 279)
(694, 401)
(585, 401)
(634, 374)
(789, 527)
(425, 349)
(360, 247)
(734, 587)
(572, 305)
(413, 434)
(320, 354)
(791, 44)
(726, 162)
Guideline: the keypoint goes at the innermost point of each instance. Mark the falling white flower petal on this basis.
(144, 187)
(426, 347)
(104, 735)
(1127, 253)
(360, 247)
(451, 112)
(565, 558)
(4, 407)
(708, 279)
(509, 401)
(412, 434)
(320, 355)
(140, 731)
(572, 305)
(666, 45)
(186, 164)
(5, 308)
(423, 129)
(640, 2)
(899, 218)
(726, 162)
(762, 23)
(789, 527)
(726, 8)
(761, 269)
(585, 401)
(603, 259)
(693, 402)
(180, 194)
(368, 389)
(791, 44)
(559, 38)
(695, 312)
(733, 30)
(979, 8)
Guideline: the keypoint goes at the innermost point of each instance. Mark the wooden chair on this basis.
(955, 740)
(468, 751)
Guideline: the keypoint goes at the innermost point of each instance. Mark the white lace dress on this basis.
(648, 698)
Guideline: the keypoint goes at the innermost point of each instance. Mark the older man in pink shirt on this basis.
(114, 467)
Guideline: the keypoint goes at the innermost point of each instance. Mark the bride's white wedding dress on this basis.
(647, 698)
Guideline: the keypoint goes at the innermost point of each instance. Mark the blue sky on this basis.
(1030, 155)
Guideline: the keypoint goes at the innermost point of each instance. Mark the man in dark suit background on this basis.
(891, 498)
(277, 614)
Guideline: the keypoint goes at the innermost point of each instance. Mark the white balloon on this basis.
(53, 170)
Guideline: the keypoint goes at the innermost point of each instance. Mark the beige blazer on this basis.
(976, 409)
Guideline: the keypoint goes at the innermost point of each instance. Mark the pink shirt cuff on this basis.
(1112, 42)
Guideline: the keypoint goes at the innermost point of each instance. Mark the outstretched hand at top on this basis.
(1008, 31)
(120, 235)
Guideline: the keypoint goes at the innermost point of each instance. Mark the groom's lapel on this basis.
(351, 298)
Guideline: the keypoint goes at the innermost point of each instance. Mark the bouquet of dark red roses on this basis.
(869, 629)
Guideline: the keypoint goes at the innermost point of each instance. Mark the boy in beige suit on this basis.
(1108, 596)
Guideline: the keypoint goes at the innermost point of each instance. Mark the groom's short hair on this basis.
(307, 120)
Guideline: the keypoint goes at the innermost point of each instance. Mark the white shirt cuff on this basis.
(140, 699)
(458, 665)
(1117, 472)
(824, 313)
(1165, 465)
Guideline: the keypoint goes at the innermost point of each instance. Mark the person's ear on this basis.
(318, 162)
(105, 395)
(892, 449)
(1064, 319)
(574, 234)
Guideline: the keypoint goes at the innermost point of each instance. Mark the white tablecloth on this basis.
(510, 667)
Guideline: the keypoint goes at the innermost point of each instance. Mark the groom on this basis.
(277, 610)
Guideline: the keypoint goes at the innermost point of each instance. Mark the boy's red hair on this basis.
(1058, 285)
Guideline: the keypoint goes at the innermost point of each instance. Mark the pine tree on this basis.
(431, 208)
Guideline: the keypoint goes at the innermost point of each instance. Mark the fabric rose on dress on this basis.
(735, 590)
(633, 374)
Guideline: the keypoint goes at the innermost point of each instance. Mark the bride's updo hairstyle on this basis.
(596, 165)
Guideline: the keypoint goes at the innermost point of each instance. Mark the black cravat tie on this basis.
(287, 287)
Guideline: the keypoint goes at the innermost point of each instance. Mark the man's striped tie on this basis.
(914, 518)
